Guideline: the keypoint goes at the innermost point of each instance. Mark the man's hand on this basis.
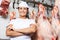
(10, 27)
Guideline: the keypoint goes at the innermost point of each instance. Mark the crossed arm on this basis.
(29, 30)
(12, 33)
(20, 32)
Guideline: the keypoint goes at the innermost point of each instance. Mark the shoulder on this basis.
(32, 21)
(13, 20)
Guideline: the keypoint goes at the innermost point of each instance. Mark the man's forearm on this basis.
(14, 34)
(27, 30)
(24, 31)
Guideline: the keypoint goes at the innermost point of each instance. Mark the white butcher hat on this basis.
(23, 4)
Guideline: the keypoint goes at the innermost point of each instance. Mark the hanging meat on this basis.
(4, 7)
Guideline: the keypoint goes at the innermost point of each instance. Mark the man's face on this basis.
(22, 11)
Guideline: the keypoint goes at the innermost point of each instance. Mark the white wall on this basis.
(3, 25)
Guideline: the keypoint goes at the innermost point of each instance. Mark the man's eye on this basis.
(20, 8)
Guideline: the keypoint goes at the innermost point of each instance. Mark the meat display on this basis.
(4, 7)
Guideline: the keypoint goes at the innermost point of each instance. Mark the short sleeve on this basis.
(32, 21)
(11, 22)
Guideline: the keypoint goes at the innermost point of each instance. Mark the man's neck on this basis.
(22, 17)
